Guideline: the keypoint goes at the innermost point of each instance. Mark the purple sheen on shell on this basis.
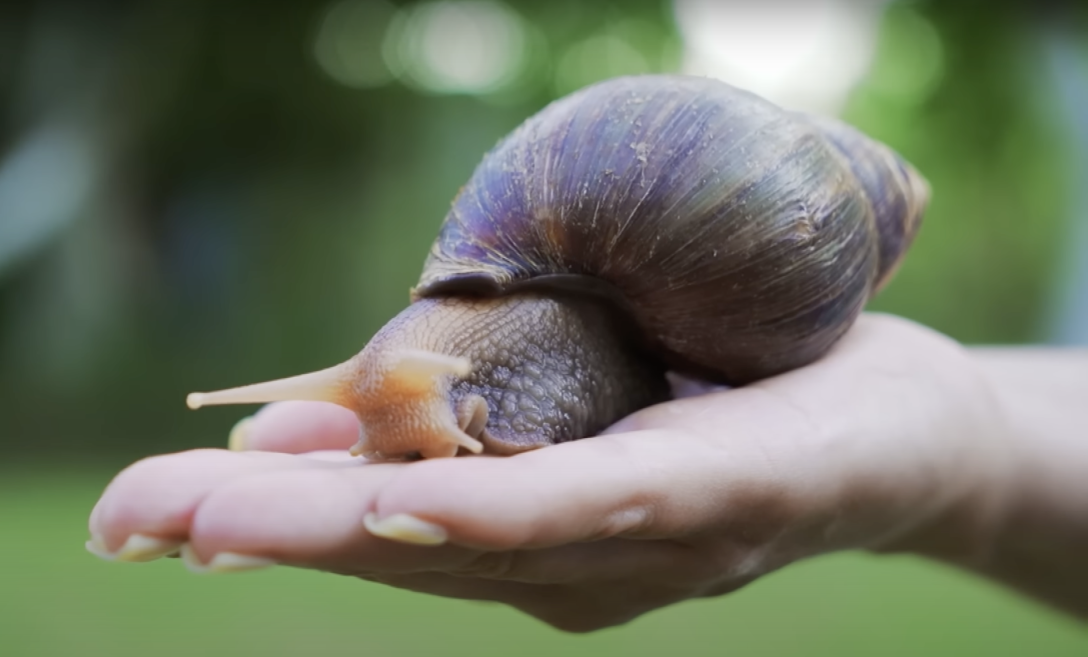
(896, 192)
(744, 239)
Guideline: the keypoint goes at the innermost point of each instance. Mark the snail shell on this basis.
(743, 239)
(640, 224)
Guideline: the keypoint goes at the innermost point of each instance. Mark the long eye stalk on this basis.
(324, 385)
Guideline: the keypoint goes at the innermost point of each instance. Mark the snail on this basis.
(638, 226)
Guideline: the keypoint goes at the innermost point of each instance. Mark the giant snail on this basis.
(640, 225)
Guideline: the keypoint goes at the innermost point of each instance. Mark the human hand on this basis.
(891, 442)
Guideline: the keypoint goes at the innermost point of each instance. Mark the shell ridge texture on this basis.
(745, 239)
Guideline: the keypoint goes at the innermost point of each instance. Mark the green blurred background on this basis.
(197, 194)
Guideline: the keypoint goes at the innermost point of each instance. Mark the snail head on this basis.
(400, 397)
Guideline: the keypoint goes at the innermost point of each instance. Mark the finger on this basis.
(332, 455)
(297, 427)
(648, 484)
(156, 497)
(311, 518)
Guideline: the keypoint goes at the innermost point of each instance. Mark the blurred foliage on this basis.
(241, 215)
(203, 206)
(251, 217)
(981, 129)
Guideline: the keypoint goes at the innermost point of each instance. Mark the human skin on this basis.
(900, 440)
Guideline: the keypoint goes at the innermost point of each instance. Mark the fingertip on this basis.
(136, 500)
(239, 434)
(157, 496)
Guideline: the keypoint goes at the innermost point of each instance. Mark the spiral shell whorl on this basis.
(897, 193)
(735, 232)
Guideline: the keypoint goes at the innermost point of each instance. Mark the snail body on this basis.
(640, 225)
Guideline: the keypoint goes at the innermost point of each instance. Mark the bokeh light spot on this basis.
(804, 55)
(465, 47)
(348, 44)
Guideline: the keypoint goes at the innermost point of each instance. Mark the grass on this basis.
(55, 599)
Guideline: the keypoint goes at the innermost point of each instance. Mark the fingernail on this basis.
(224, 562)
(406, 529)
(238, 434)
(137, 548)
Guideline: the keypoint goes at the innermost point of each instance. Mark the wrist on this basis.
(989, 464)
